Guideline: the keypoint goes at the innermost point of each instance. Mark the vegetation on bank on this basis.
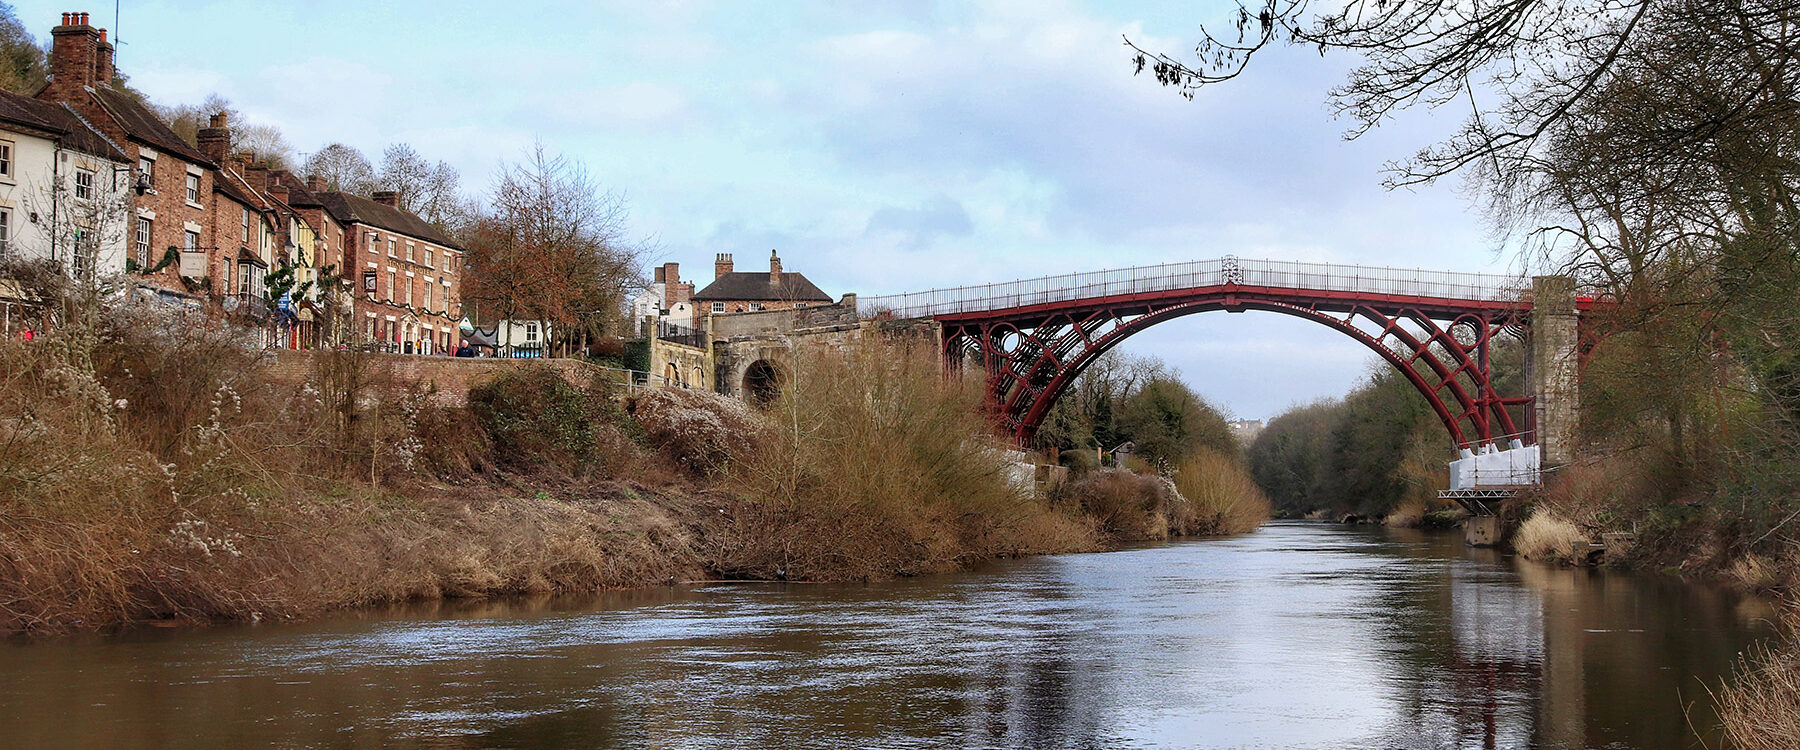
(152, 466)
(1379, 452)
(1184, 472)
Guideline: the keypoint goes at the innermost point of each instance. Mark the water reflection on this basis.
(1301, 636)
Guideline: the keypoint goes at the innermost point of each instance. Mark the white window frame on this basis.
(140, 240)
(531, 331)
(7, 149)
(84, 184)
(193, 189)
(5, 230)
(718, 307)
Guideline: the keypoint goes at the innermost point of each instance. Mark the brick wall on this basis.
(452, 377)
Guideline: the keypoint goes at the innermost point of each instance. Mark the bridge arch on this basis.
(1445, 357)
(1034, 337)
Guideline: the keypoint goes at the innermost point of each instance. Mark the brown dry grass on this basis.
(1548, 537)
(1760, 708)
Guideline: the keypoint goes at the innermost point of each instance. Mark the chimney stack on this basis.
(386, 198)
(103, 62)
(215, 139)
(671, 278)
(74, 58)
(774, 269)
(721, 266)
(315, 183)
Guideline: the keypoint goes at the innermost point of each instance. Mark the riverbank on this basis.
(155, 470)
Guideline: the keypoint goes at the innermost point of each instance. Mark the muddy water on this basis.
(1298, 636)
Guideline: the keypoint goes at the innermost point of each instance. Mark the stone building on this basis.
(754, 291)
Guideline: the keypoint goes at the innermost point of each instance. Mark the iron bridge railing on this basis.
(1328, 277)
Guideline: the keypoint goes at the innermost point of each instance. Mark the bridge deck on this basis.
(1168, 277)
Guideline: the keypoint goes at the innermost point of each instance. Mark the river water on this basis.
(1301, 635)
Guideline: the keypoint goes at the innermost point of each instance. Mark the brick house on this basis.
(408, 274)
(736, 292)
(62, 195)
(175, 179)
(321, 240)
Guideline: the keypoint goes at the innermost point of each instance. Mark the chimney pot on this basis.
(103, 35)
(721, 265)
(220, 120)
(65, 20)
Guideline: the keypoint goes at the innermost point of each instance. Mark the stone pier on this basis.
(1555, 378)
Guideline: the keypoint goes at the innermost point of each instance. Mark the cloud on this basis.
(917, 227)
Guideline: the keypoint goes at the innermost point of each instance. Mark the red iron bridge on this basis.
(1034, 337)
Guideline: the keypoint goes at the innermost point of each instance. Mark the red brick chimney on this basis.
(315, 183)
(774, 269)
(215, 139)
(386, 198)
(103, 62)
(721, 266)
(278, 191)
(670, 276)
(74, 49)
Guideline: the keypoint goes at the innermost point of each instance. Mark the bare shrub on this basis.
(1216, 496)
(699, 430)
(537, 419)
(1547, 537)
(1126, 505)
(874, 465)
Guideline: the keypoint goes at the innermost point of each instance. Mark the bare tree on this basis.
(432, 191)
(551, 247)
(262, 141)
(343, 167)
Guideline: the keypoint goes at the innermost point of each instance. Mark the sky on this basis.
(880, 146)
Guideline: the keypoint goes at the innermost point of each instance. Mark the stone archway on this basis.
(762, 383)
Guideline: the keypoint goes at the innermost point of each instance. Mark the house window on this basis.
(718, 307)
(391, 248)
(390, 286)
(244, 221)
(756, 307)
(531, 333)
(6, 159)
(428, 307)
(374, 243)
(84, 184)
(5, 230)
(191, 242)
(428, 257)
(141, 243)
(409, 252)
(193, 188)
(407, 293)
(147, 169)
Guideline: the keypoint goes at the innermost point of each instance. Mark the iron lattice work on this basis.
(1438, 336)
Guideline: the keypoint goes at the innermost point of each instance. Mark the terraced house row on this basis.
(92, 179)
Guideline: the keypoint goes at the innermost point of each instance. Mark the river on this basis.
(1301, 635)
